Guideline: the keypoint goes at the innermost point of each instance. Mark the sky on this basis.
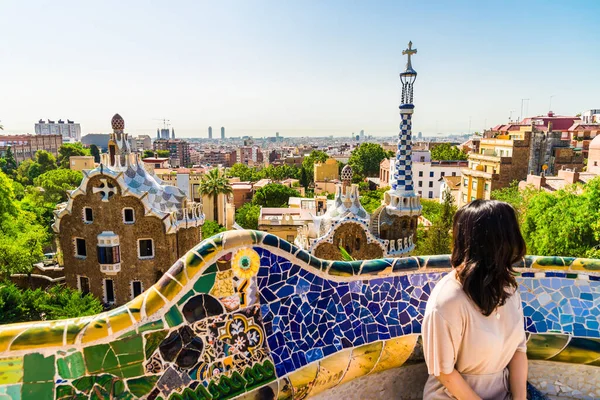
(300, 68)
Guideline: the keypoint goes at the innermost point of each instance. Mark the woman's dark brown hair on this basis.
(487, 242)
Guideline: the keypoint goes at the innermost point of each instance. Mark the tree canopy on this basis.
(274, 195)
(447, 152)
(211, 228)
(365, 159)
(95, 151)
(70, 149)
(159, 153)
(247, 216)
(56, 183)
(371, 199)
(57, 302)
(437, 239)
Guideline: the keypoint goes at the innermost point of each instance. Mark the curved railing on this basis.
(245, 312)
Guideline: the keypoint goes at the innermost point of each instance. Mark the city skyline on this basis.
(301, 70)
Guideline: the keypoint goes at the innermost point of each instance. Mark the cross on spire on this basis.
(409, 52)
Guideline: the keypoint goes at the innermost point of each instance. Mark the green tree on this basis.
(46, 160)
(70, 149)
(244, 172)
(58, 302)
(211, 228)
(56, 183)
(371, 199)
(159, 153)
(309, 163)
(10, 164)
(515, 197)
(365, 160)
(437, 239)
(95, 151)
(447, 152)
(27, 171)
(7, 197)
(273, 195)
(247, 216)
(303, 177)
(213, 184)
(565, 222)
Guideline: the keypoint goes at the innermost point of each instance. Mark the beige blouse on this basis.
(456, 335)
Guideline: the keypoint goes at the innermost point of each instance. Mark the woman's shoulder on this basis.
(447, 295)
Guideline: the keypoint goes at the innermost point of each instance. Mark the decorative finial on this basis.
(409, 52)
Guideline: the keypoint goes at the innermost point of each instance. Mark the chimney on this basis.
(569, 176)
(536, 181)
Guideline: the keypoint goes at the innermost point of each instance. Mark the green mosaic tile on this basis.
(173, 317)
(12, 391)
(153, 340)
(37, 368)
(142, 386)
(72, 366)
(64, 391)
(84, 384)
(186, 297)
(100, 358)
(152, 326)
(205, 283)
(38, 391)
(211, 269)
(128, 346)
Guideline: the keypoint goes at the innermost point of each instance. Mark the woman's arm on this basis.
(457, 386)
(517, 369)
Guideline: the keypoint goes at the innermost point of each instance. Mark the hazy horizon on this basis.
(300, 69)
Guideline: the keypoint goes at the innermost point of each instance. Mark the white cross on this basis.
(105, 190)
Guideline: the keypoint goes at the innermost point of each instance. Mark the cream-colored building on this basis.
(326, 171)
(79, 163)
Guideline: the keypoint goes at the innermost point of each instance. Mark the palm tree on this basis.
(213, 184)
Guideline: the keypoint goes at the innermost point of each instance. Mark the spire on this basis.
(401, 198)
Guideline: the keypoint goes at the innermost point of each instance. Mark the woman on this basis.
(473, 336)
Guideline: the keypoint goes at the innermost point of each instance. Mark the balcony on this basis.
(110, 269)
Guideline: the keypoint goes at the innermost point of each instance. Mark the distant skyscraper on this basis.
(158, 134)
(276, 134)
(172, 133)
(210, 132)
(222, 132)
(362, 135)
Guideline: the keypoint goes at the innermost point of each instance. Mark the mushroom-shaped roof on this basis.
(595, 144)
(118, 123)
(347, 173)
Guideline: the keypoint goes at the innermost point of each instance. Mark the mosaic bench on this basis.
(248, 315)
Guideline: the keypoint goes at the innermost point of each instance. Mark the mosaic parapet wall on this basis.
(246, 314)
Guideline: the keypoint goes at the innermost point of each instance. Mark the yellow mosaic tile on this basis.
(234, 239)
(395, 352)
(119, 319)
(40, 335)
(168, 287)
(153, 302)
(9, 332)
(331, 370)
(96, 330)
(362, 361)
(223, 286)
(303, 379)
(11, 370)
(135, 307)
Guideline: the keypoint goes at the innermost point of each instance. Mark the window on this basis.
(88, 215)
(136, 289)
(145, 248)
(464, 198)
(430, 184)
(454, 174)
(420, 174)
(442, 174)
(109, 291)
(84, 285)
(109, 255)
(290, 238)
(430, 194)
(487, 187)
(80, 249)
(420, 183)
(128, 216)
(595, 163)
(474, 185)
(466, 182)
(472, 198)
(431, 174)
